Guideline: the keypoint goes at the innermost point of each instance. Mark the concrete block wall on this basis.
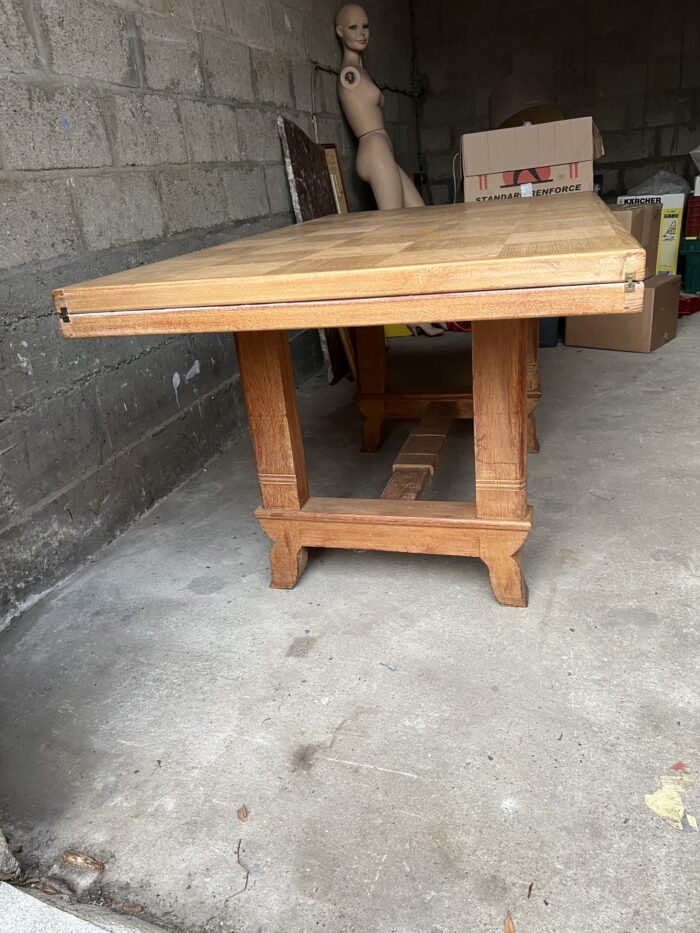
(635, 66)
(133, 130)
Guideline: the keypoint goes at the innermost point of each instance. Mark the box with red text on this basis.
(530, 161)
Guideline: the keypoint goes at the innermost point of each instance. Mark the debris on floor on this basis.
(125, 907)
(246, 871)
(667, 802)
(9, 866)
(242, 813)
(73, 875)
(508, 925)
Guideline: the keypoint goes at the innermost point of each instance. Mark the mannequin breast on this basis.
(362, 105)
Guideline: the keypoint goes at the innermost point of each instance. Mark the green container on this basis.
(690, 248)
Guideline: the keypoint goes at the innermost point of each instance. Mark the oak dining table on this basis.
(498, 265)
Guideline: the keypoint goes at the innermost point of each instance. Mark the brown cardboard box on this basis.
(643, 221)
(525, 161)
(640, 333)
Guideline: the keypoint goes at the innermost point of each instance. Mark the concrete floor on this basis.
(412, 756)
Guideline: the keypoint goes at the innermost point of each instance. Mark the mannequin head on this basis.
(352, 27)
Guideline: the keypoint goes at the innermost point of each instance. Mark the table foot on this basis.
(287, 563)
(372, 433)
(533, 445)
(506, 576)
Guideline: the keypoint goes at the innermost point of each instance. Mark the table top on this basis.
(523, 244)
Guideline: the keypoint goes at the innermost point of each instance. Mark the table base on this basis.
(492, 528)
(380, 402)
(422, 527)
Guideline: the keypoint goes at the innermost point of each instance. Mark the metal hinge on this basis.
(630, 283)
(63, 314)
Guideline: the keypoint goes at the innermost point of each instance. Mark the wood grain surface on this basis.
(530, 244)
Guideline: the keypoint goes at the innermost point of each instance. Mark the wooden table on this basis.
(497, 265)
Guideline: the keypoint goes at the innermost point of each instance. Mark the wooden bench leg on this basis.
(268, 385)
(499, 364)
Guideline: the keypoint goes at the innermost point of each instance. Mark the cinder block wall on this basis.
(131, 131)
(634, 65)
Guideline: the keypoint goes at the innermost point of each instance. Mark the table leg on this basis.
(534, 391)
(499, 365)
(371, 380)
(268, 384)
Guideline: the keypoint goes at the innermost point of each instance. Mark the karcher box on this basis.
(530, 161)
(670, 229)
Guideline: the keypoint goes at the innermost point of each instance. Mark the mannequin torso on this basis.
(361, 100)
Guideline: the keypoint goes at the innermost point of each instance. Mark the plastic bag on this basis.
(662, 183)
(695, 156)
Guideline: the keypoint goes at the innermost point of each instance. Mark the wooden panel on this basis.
(571, 239)
(313, 195)
(307, 173)
(335, 171)
(534, 302)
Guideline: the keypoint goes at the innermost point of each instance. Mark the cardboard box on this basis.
(530, 161)
(639, 333)
(670, 230)
(643, 221)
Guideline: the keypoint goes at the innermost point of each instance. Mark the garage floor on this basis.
(412, 756)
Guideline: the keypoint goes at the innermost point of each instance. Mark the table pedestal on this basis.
(493, 527)
(379, 402)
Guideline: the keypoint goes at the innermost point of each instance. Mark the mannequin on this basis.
(362, 103)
